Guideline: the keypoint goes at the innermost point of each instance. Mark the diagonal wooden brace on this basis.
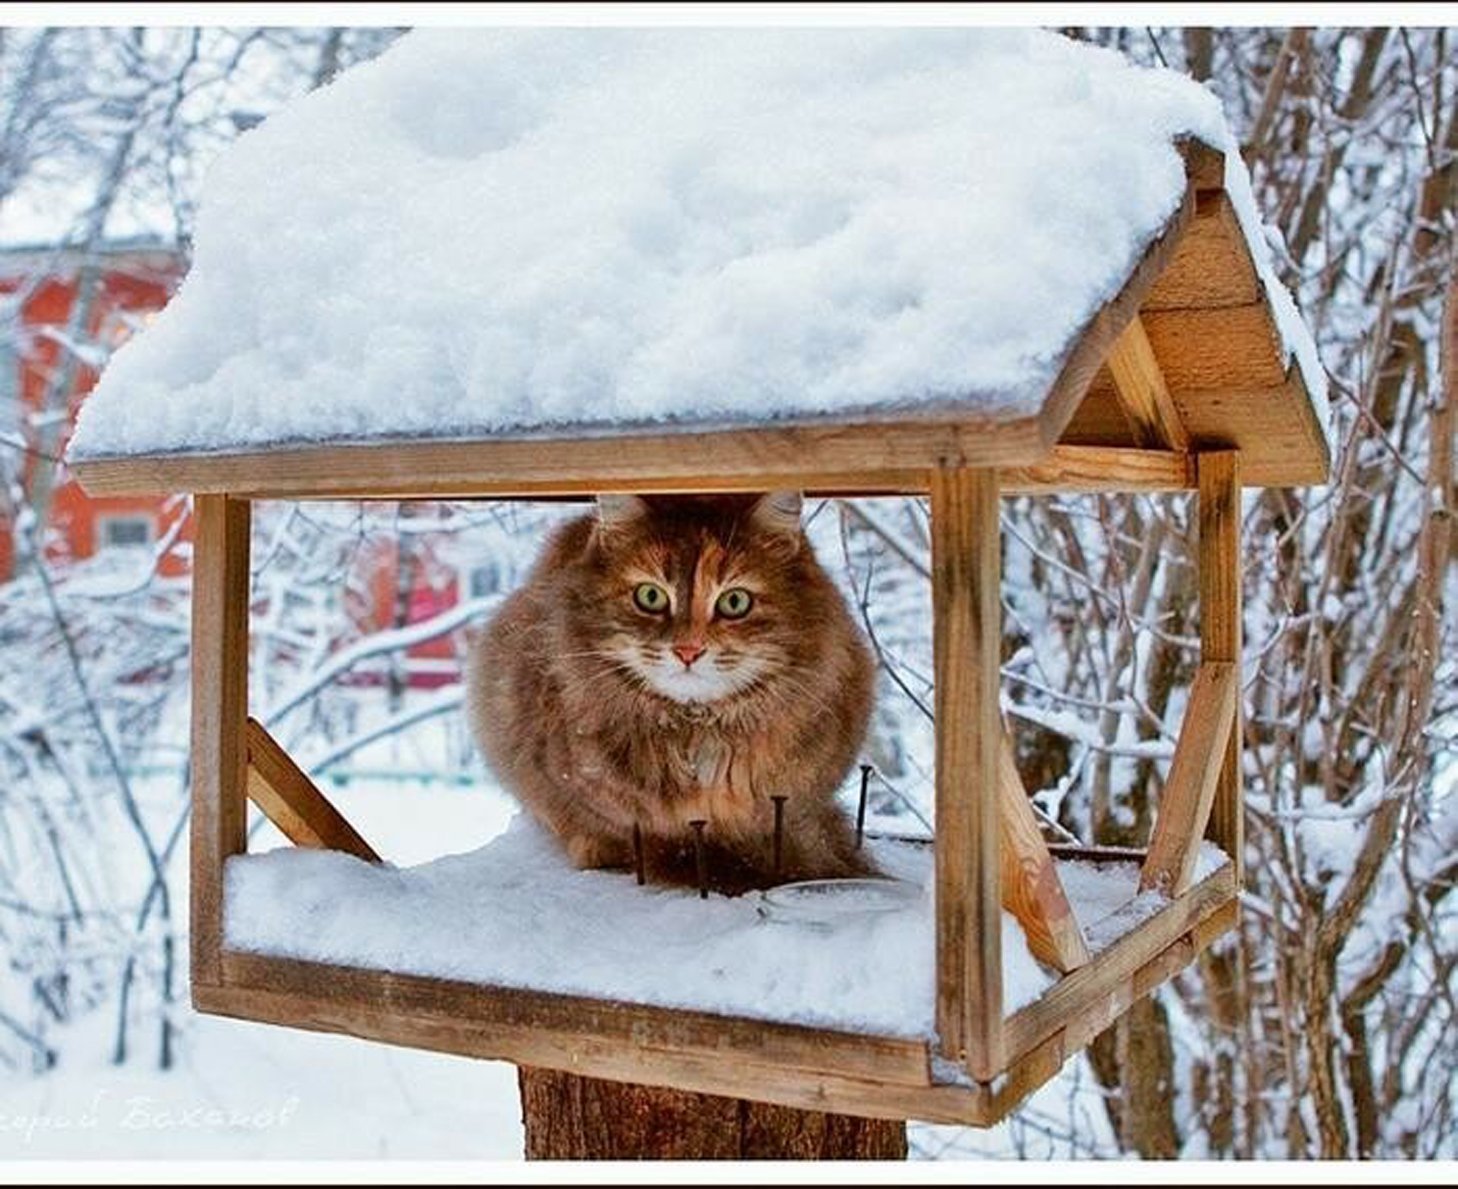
(293, 803)
(1143, 394)
(1031, 889)
(1189, 792)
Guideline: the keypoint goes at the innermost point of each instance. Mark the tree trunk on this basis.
(567, 1117)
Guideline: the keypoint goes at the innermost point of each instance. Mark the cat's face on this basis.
(699, 599)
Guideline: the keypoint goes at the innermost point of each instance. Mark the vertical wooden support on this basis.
(1219, 479)
(966, 642)
(219, 712)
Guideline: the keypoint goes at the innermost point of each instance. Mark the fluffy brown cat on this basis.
(679, 658)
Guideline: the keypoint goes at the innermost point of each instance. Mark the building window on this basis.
(125, 532)
(485, 580)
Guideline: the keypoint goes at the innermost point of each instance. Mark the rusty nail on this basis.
(638, 855)
(700, 859)
(779, 833)
(866, 771)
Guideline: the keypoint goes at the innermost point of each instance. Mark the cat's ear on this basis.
(779, 512)
(617, 511)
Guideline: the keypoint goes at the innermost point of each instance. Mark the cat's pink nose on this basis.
(688, 651)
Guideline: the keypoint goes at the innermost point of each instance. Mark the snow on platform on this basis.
(515, 914)
(518, 232)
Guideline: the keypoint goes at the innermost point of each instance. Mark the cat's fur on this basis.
(587, 715)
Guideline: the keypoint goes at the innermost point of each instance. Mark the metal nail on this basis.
(779, 833)
(701, 860)
(638, 855)
(866, 771)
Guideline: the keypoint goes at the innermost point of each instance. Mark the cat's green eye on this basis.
(650, 597)
(734, 603)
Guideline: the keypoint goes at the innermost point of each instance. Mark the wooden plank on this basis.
(1074, 995)
(569, 1018)
(966, 643)
(630, 1042)
(1280, 442)
(1220, 632)
(293, 802)
(1211, 266)
(872, 455)
(1189, 791)
(1031, 889)
(614, 1059)
(1141, 389)
(1100, 468)
(1106, 1008)
(219, 708)
(1215, 350)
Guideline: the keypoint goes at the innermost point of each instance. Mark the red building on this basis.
(61, 315)
(64, 312)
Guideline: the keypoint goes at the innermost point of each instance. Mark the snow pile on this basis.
(515, 914)
(519, 231)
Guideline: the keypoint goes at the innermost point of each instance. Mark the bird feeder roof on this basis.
(714, 253)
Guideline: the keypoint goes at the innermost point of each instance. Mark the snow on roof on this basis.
(493, 232)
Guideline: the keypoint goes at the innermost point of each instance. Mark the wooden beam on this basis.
(794, 1065)
(1098, 1011)
(706, 1073)
(573, 1018)
(1112, 971)
(966, 642)
(1220, 630)
(293, 803)
(220, 589)
(1140, 385)
(872, 455)
(1031, 889)
(1100, 468)
(1184, 807)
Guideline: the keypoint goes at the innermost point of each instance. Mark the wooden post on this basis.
(966, 641)
(219, 712)
(1218, 473)
(569, 1117)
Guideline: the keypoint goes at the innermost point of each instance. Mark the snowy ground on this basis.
(250, 1091)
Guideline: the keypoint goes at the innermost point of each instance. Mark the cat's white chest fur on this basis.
(709, 760)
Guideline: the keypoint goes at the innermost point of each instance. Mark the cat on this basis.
(672, 659)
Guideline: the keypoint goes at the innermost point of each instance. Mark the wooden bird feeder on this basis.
(1177, 384)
